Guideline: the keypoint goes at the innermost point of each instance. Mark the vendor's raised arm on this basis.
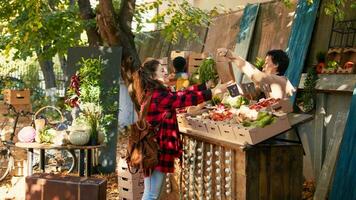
(276, 63)
(247, 68)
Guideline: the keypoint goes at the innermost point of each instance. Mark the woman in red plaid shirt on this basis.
(162, 113)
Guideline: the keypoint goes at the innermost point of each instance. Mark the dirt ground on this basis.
(10, 187)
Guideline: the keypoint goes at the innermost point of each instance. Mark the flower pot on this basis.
(79, 137)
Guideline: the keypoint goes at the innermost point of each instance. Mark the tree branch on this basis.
(86, 13)
(107, 23)
(126, 14)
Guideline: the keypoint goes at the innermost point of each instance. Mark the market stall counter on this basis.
(226, 159)
(85, 155)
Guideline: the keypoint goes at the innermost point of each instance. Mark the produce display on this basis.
(264, 103)
(235, 102)
(237, 120)
(207, 70)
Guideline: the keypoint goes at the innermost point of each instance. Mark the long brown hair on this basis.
(146, 75)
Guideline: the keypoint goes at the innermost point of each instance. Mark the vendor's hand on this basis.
(220, 88)
(223, 52)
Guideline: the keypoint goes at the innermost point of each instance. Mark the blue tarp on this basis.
(243, 40)
(344, 185)
(299, 39)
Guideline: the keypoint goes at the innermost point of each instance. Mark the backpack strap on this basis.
(141, 123)
(146, 104)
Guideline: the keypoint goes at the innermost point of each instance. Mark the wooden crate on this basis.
(17, 97)
(177, 53)
(3, 108)
(195, 60)
(23, 107)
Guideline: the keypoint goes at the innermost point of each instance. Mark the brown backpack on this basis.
(143, 150)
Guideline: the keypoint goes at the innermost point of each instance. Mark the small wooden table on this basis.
(83, 168)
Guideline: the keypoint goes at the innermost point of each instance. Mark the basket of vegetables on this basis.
(48, 130)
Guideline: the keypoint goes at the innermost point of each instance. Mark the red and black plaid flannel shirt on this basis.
(164, 101)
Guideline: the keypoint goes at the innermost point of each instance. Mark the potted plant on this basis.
(321, 58)
(260, 62)
(84, 95)
(306, 102)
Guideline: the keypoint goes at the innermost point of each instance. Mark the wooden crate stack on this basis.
(19, 99)
(131, 186)
(194, 59)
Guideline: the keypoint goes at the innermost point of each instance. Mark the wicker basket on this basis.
(41, 123)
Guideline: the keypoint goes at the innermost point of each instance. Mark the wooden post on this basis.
(327, 171)
(319, 134)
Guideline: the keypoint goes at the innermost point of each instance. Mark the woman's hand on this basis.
(220, 88)
(209, 84)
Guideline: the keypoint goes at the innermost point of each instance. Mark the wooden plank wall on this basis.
(272, 18)
(223, 32)
(191, 45)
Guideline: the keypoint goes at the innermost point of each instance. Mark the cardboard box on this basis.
(345, 71)
(16, 97)
(130, 186)
(123, 171)
(127, 183)
(246, 135)
(283, 105)
(236, 133)
(225, 71)
(130, 193)
(183, 123)
(226, 131)
(196, 124)
(213, 128)
(328, 71)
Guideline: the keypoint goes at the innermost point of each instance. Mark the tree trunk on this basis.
(63, 63)
(48, 71)
(116, 31)
(86, 13)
